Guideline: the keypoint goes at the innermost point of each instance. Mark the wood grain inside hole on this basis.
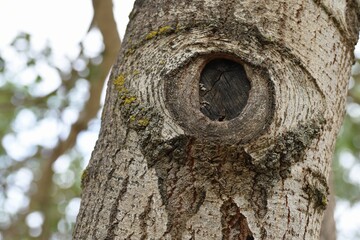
(224, 89)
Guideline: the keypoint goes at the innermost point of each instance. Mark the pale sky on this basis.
(64, 23)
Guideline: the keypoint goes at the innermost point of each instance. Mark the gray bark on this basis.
(173, 162)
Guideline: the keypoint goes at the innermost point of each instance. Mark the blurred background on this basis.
(54, 60)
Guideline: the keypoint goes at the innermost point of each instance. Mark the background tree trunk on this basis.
(328, 226)
(183, 153)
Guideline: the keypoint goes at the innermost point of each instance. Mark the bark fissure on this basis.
(307, 220)
(288, 217)
(234, 224)
(101, 204)
(88, 219)
(144, 218)
(95, 216)
(113, 221)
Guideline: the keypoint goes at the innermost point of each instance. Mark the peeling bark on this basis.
(164, 168)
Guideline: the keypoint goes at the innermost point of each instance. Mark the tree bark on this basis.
(184, 153)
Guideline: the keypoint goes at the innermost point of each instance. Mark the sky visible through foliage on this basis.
(47, 56)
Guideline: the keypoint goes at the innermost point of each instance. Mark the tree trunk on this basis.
(220, 121)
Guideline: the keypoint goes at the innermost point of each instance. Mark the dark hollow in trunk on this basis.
(224, 89)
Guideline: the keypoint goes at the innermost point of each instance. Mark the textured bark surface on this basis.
(164, 169)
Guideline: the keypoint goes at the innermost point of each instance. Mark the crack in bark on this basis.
(113, 222)
(144, 217)
(84, 213)
(288, 216)
(234, 224)
(96, 215)
(307, 219)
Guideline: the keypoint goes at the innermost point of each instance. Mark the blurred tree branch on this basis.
(41, 200)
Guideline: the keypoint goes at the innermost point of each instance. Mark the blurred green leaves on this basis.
(346, 164)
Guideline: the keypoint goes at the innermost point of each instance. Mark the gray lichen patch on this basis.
(288, 149)
(316, 188)
(317, 196)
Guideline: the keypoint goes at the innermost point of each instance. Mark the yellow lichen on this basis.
(129, 99)
(151, 35)
(165, 30)
(84, 177)
(132, 118)
(143, 122)
(119, 83)
(324, 200)
(120, 80)
(161, 31)
(136, 72)
(84, 174)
